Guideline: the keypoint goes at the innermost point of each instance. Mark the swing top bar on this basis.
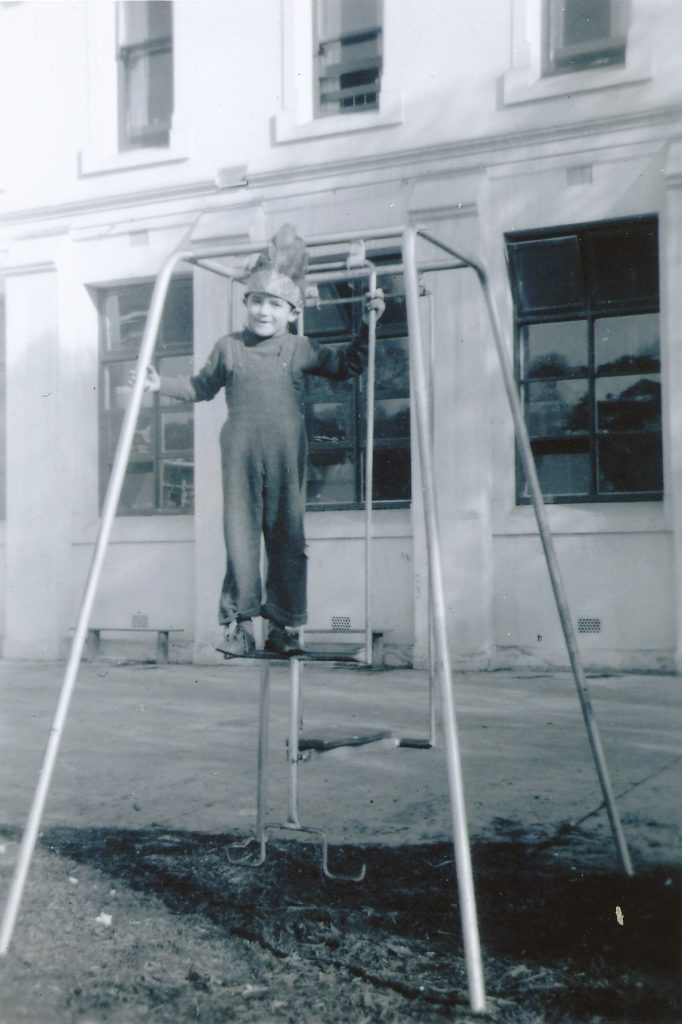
(203, 257)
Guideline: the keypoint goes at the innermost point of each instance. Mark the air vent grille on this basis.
(589, 624)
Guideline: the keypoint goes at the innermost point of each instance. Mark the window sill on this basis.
(290, 127)
(92, 162)
(151, 528)
(519, 87)
(596, 517)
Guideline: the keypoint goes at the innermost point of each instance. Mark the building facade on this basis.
(543, 137)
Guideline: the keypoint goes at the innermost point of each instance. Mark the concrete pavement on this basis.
(175, 746)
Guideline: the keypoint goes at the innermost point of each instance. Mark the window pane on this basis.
(347, 50)
(177, 431)
(321, 389)
(143, 21)
(331, 478)
(557, 408)
(623, 264)
(125, 314)
(330, 317)
(337, 18)
(330, 422)
(555, 350)
(165, 425)
(546, 274)
(391, 418)
(585, 20)
(149, 96)
(391, 474)
(630, 463)
(138, 491)
(394, 320)
(177, 484)
(177, 326)
(563, 474)
(627, 344)
(628, 403)
(392, 372)
(175, 366)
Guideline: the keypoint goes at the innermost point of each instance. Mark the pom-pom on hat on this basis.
(280, 268)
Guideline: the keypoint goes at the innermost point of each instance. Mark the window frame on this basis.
(357, 443)
(296, 120)
(351, 65)
(557, 55)
(590, 313)
(158, 457)
(149, 136)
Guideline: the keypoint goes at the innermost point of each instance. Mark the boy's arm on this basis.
(340, 362)
(201, 387)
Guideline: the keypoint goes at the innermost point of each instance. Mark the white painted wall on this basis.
(468, 143)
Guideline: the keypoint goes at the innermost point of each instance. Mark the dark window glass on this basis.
(336, 410)
(589, 370)
(160, 474)
(347, 55)
(547, 274)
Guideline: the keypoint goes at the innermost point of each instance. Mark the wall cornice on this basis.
(469, 154)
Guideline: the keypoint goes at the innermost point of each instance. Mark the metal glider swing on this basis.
(209, 258)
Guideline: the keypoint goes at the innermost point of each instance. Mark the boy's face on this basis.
(266, 315)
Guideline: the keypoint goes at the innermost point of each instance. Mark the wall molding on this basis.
(526, 147)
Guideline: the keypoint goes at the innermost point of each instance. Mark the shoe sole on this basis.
(231, 654)
(291, 653)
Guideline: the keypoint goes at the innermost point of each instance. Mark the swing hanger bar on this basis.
(331, 272)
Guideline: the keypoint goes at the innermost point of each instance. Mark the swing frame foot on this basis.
(290, 826)
(245, 861)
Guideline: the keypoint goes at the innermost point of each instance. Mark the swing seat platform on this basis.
(336, 739)
(347, 657)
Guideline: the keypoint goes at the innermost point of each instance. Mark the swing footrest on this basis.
(333, 742)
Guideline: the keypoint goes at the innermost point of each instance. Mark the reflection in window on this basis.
(335, 410)
(160, 474)
(588, 360)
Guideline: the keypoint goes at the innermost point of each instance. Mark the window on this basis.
(3, 413)
(583, 34)
(347, 56)
(587, 349)
(335, 410)
(160, 475)
(145, 79)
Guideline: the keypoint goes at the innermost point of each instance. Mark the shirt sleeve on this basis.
(204, 385)
(338, 362)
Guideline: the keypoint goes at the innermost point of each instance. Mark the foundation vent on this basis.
(139, 621)
(589, 625)
(340, 623)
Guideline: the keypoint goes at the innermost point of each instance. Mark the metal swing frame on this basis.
(208, 259)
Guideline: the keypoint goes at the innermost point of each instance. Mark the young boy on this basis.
(263, 443)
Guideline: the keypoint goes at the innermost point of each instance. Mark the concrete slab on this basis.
(175, 745)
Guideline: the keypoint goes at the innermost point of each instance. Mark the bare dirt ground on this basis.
(134, 913)
(190, 936)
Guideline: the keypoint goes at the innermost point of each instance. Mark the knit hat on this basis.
(280, 268)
